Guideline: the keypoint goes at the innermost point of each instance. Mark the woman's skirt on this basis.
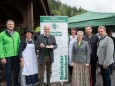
(81, 75)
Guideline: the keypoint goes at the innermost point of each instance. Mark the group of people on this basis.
(21, 56)
(84, 53)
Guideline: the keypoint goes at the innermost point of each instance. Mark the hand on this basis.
(51, 46)
(42, 45)
(22, 62)
(87, 64)
(4, 61)
(72, 63)
(37, 56)
(105, 66)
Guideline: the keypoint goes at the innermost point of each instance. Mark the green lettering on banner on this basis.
(53, 19)
(61, 77)
(56, 33)
(61, 63)
(64, 67)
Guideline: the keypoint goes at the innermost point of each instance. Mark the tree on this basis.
(57, 8)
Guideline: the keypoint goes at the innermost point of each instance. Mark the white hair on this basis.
(80, 32)
(46, 26)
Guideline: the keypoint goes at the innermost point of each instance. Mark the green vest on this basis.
(9, 45)
(47, 52)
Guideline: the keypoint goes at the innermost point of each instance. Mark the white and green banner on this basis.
(59, 28)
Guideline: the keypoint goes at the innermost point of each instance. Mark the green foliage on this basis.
(57, 8)
(37, 29)
(17, 28)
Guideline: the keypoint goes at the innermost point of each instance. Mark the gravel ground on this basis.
(98, 79)
(98, 83)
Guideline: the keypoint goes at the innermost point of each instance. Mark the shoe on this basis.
(48, 85)
(113, 67)
(18, 84)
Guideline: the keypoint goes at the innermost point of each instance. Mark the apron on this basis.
(30, 60)
(72, 40)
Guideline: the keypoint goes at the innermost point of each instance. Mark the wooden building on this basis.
(25, 13)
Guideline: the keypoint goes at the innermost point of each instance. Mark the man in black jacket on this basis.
(46, 44)
(92, 40)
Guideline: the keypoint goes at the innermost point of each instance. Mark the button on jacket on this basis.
(82, 53)
(105, 51)
(51, 41)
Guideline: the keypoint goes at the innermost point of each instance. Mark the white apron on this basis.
(30, 60)
(72, 40)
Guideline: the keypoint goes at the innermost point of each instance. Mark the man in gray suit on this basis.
(105, 55)
(46, 44)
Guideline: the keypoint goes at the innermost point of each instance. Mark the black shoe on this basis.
(48, 85)
(18, 85)
(113, 67)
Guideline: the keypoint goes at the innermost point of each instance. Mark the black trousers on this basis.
(93, 63)
(105, 76)
(70, 68)
(12, 63)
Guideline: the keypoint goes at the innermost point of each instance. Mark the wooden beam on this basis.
(44, 7)
(30, 19)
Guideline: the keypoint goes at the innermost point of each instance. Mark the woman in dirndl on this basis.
(28, 57)
(81, 60)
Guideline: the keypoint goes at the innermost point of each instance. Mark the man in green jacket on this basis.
(9, 46)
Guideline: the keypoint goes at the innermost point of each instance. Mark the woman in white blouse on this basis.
(72, 38)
